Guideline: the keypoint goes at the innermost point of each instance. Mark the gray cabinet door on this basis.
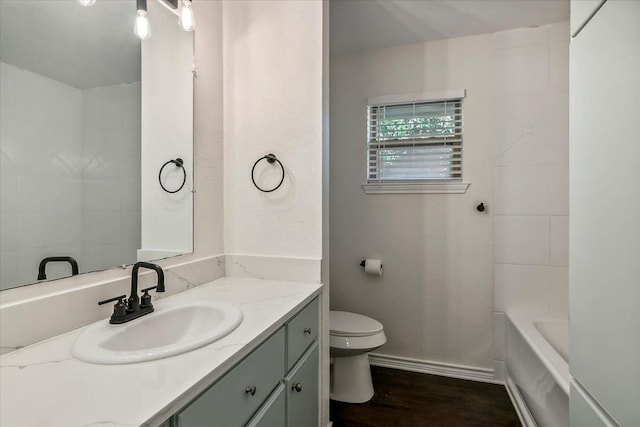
(272, 413)
(235, 397)
(302, 391)
(302, 330)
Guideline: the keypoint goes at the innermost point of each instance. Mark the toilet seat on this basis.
(346, 324)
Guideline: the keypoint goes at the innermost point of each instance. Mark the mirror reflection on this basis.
(70, 139)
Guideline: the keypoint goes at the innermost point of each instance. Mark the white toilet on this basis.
(352, 336)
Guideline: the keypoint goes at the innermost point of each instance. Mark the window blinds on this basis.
(415, 141)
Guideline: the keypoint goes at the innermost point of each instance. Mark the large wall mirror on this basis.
(89, 115)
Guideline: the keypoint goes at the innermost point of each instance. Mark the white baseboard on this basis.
(526, 419)
(434, 368)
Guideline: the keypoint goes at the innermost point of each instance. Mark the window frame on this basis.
(425, 186)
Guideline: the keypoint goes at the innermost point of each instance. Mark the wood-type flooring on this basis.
(409, 399)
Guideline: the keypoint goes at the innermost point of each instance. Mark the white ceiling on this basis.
(368, 24)
(80, 46)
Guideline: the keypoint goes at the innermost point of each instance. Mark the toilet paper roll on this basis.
(373, 266)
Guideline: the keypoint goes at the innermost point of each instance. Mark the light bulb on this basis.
(187, 22)
(87, 3)
(142, 28)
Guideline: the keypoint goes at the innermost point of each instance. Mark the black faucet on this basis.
(42, 275)
(135, 307)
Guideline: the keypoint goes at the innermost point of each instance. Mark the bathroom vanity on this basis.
(264, 373)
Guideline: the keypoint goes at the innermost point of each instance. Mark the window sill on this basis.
(416, 188)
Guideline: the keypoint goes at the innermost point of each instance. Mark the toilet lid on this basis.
(347, 324)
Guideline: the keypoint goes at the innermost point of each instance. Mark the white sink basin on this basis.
(173, 328)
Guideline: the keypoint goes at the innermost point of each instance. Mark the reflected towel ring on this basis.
(179, 163)
(271, 158)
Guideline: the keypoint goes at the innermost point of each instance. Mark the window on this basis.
(414, 146)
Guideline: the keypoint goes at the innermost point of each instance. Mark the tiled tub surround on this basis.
(144, 393)
(70, 175)
(531, 176)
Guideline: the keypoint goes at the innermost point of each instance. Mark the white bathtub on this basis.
(537, 362)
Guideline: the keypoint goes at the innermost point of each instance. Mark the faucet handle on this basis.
(145, 301)
(119, 299)
(119, 309)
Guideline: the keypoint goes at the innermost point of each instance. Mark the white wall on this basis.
(273, 104)
(531, 175)
(604, 338)
(110, 176)
(41, 175)
(435, 297)
(167, 133)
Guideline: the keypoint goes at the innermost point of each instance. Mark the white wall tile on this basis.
(130, 229)
(559, 292)
(499, 319)
(559, 240)
(559, 32)
(522, 190)
(521, 239)
(8, 268)
(101, 227)
(522, 288)
(101, 194)
(529, 149)
(559, 190)
(553, 128)
(514, 117)
(8, 193)
(520, 37)
(522, 70)
(9, 233)
(559, 67)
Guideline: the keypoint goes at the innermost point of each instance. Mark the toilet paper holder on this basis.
(363, 263)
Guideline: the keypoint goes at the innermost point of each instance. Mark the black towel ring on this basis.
(271, 158)
(179, 163)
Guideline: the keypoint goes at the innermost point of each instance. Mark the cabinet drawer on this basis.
(302, 391)
(272, 413)
(227, 403)
(302, 330)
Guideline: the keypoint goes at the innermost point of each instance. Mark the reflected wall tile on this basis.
(101, 195)
(9, 193)
(130, 228)
(8, 268)
(9, 233)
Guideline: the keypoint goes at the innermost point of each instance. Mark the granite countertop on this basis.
(44, 385)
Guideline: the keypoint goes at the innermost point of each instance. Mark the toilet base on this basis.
(351, 379)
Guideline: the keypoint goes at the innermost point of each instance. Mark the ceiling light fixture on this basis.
(187, 21)
(142, 27)
(87, 3)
